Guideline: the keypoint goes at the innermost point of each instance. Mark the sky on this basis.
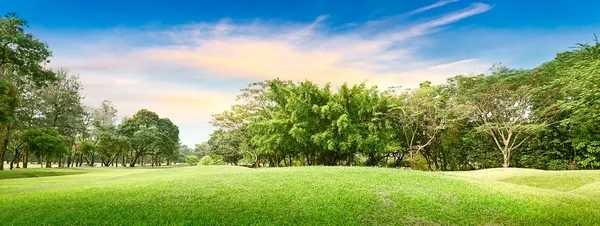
(186, 60)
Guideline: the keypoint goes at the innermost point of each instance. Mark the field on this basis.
(224, 195)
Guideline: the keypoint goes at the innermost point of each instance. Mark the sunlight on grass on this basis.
(282, 196)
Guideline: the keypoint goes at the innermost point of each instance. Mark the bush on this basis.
(217, 160)
(192, 160)
(556, 164)
(206, 160)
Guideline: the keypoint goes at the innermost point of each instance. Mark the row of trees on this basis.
(547, 117)
(42, 116)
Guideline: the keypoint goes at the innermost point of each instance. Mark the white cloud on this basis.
(429, 7)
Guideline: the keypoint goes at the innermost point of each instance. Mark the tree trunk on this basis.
(257, 161)
(2, 159)
(412, 159)
(506, 155)
(4, 145)
(18, 160)
(48, 163)
(25, 160)
(132, 163)
(15, 159)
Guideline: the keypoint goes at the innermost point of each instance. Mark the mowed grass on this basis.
(224, 195)
(12, 174)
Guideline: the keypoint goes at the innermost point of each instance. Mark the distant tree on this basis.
(110, 146)
(46, 143)
(224, 143)
(87, 148)
(202, 149)
(62, 108)
(149, 135)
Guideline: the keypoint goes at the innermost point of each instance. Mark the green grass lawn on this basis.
(299, 196)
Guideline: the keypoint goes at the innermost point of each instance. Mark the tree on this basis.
(86, 148)
(502, 107)
(149, 134)
(110, 146)
(255, 106)
(21, 59)
(61, 108)
(202, 149)
(143, 142)
(225, 143)
(46, 143)
(574, 91)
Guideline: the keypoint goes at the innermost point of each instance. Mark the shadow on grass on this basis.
(17, 174)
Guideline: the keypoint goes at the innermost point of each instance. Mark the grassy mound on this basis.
(303, 195)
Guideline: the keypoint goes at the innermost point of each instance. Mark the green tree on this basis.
(420, 115)
(502, 105)
(110, 146)
(46, 143)
(149, 135)
(61, 107)
(21, 59)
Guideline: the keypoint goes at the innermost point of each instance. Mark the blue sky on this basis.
(187, 59)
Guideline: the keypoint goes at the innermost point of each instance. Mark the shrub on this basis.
(217, 160)
(206, 160)
(192, 160)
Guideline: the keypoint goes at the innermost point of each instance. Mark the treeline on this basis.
(42, 118)
(546, 118)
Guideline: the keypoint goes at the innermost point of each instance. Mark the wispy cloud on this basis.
(429, 7)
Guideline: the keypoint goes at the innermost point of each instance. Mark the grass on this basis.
(223, 195)
(13, 174)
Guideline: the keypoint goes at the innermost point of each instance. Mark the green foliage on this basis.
(86, 147)
(45, 142)
(192, 160)
(150, 135)
(22, 59)
(21, 52)
(110, 146)
(522, 118)
(206, 161)
(8, 101)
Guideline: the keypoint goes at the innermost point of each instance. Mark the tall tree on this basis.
(419, 115)
(21, 58)
(502, 107)
(61, 106)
